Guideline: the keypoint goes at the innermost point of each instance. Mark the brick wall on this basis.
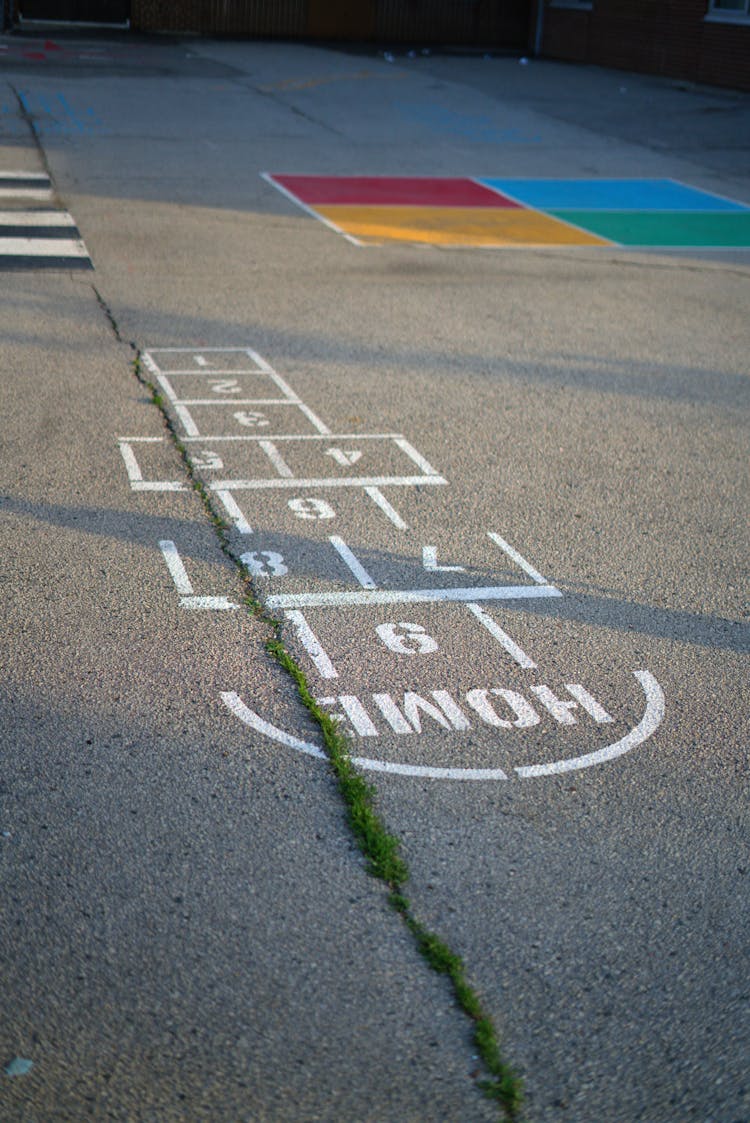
(667, 37)
(482, 22)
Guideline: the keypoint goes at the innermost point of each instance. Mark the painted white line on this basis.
(176, 568)
(217, 401)
(276, 459)
(212, 603)
(298, 436)
(36, 218)
(649, 723)
(131, 464)
(502, 637)
(313, 213)
(417, 457)
(409, 596)
(312, 645)
(234, 511)
(430, 773)
(41, 176)
(42, 247)
(325, 481)
(191, 429)
(354, 564)
(167, 387)
(38, 194)
(313, 417)
(249, 717)
(143, 440)
(159, 485)
(534, 574)
(377, 497)
(149, 362)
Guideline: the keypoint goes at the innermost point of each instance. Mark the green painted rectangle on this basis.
(678, 228)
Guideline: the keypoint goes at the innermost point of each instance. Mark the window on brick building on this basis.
(729, 9)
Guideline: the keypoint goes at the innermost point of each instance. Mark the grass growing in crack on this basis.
(379, 848)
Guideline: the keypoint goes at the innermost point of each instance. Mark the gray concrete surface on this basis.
(189, 932)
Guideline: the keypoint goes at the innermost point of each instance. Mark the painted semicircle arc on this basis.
(646, 727)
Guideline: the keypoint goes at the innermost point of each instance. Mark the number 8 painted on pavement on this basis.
(264, 563)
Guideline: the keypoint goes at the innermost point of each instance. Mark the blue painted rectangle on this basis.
(611, 195)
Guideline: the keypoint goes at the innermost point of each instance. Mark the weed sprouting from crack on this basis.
(380, 849)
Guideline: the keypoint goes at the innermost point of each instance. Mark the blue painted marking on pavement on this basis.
(611, 195)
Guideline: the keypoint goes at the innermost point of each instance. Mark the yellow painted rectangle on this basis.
(457, 226)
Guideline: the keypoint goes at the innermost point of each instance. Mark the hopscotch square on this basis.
(311, 462)
(211, 360)
(229, 419)
(213, 388)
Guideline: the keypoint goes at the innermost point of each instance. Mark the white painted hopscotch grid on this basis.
(246, 432)
(240, 389)
(35, 237)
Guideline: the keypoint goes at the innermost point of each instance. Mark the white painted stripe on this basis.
(312, 645)
(377, 497)
(313, 417)
(143, 440)
(276, 459)
(36, 218)
(41, 176)
(259, 361)
(313, 213)
(149, 362)
(159, 485)
(424, 771)
(167, 387)
(217, 401)
(235, 513)
(42, 247)
(409, 596)
(191, 429)
(300, 436)
(534, 574)
(325, 481)
(131, 464)
(38, 194)
(176, 568)
(354, 564)
(502, 637)
(417, 457)
(649, 723)
(222, 604)
(249, 717)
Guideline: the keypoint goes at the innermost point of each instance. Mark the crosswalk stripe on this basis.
(27, 194)
(37, 238)
(35, 218)
(42, 247)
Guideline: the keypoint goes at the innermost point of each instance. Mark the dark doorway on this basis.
(77, 11)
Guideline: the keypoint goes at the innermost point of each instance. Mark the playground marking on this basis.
(459, 211)
(333, 591)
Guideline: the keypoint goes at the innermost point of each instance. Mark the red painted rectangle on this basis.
(395, 191)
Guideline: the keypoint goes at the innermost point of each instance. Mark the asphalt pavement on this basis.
(494, 498)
